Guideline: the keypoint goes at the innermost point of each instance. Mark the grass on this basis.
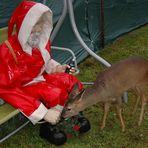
(133, 43)
(3, 34)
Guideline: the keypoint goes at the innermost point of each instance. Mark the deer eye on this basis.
(69, 109)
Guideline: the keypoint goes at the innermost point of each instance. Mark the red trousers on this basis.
(54, 91)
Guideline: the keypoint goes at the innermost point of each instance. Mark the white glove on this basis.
(53, 116)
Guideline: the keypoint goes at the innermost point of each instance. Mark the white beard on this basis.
(34, 39)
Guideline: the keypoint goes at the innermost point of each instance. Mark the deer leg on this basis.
(119, 112)
(143, 103)
(137, 100)
(136, 104)
(106, 109)
(142, 93)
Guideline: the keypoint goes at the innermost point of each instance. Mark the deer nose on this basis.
(64, 116)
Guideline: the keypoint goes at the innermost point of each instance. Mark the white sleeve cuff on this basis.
(58, 107)
(38, 114)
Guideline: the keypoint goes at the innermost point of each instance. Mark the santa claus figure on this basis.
(31, 80)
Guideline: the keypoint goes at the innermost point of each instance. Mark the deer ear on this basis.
(74, 91)
(78, 97)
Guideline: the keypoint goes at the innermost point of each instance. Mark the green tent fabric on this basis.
(6, 9)
(123, 16)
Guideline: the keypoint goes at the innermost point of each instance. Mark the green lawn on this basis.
(134, 43)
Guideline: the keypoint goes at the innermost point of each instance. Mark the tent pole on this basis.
(102, 23)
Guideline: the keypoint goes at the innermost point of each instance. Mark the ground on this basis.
(133, 43)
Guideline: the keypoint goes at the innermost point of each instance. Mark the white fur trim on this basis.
(51, 65)
(59, 107)
(29, 21)
(46, 56)
(38, 114)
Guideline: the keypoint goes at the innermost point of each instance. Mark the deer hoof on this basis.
(123, 129)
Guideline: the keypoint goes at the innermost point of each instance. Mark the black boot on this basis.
(52, 134)
(84, 124)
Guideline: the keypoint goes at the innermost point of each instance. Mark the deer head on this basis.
(73, 106)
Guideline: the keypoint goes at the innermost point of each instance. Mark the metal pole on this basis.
(71, 52)
(75, 30)
(15, 131)
(60, 22)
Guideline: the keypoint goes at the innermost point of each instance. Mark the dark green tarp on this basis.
(120, 16)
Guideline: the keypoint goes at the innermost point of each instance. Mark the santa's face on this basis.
(40, 32)
(34, 37)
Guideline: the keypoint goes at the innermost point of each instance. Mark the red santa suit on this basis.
(28, 81)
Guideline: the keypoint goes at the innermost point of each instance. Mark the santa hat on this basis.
(25, 17)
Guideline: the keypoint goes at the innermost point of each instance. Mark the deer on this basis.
(108, 88)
